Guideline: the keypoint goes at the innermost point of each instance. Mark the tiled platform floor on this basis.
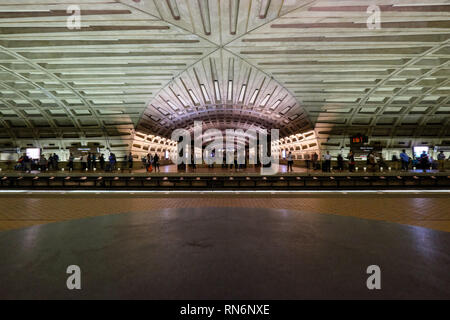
(22, 211)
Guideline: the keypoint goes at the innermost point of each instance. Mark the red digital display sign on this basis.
(358, 139)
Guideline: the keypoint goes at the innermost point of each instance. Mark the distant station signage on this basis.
(367, 149)
(442, 148)
(79, 151)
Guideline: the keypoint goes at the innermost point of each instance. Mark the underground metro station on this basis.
(224, 150)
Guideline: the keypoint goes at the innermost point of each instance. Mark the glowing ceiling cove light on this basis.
(193, 97)
(216, 89)
(205, 93)
(264, 102)
(242, 94)
(285, 110)
(230, 90)
(275, 105)
(182, 101)
(253, 98)
(174, 107)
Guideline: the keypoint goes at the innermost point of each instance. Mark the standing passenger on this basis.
(441, 160)
(424, 161)
(94, 161)
(315, 158)
(340, 162)
(70, 164)
(55, 161)
(130, 162)
(84, 161)
(102, 161)
(290, 162)
(351, 161)
(405, 160)
(112, 162)
(327, 164)
(42, 163)
(156, 162)
(89, 161)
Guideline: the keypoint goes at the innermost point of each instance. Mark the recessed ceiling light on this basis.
(253, 98)
(275, 105)
(205, 93)
(242, 94)
(164, 112)
(264, 102)
(182, 101)
(230, 90)
(174, 107)
(216, 89)
(193, 97)
(285, 110)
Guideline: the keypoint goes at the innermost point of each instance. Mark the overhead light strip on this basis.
(182, 101)
(193, 97)
(275, 105)
(230, 90)
(205, 93)
(217, 90)
(242, 94)
(253, 98)
(266, 99)
(173, 106)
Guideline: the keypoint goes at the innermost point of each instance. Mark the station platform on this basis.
(224, 179)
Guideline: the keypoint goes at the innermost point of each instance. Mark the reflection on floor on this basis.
(223, 253)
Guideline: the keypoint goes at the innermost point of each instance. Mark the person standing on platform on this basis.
(290, 162)
(102, 161)
(315, 158)
(94, 161)
(424, 161)
(70, 164)
(351, 161)
(125, 161)
(394, 162)
(27, 163)
(148, 162)
(50, 162)
(404, 158)
(327, 164)
(89, 161)
(84, 161)
(42, 163)
(156, 162)
(307, 160)
(130, 161)
(55, 161)
(112, 162)
(371, 161)
(340, 162)
(441, 160)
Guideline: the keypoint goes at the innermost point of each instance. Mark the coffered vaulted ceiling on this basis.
(158, 65)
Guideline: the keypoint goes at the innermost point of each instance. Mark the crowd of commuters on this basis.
(88, 162)
(151, 162)
(374, 162)
(26, 164)
(423, 162)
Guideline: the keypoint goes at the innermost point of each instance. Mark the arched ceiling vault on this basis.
(317, 57)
